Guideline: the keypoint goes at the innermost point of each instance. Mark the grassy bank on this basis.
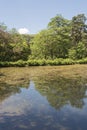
(42, 62)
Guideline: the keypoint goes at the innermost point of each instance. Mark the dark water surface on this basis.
(43, 98)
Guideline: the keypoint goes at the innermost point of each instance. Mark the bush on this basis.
(20, 63)
(82, 61)
(43, 62)
(68, 62)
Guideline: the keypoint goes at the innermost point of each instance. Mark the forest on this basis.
(62, 42)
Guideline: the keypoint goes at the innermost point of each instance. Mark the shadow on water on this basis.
(42, 99)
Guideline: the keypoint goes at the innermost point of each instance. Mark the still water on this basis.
(43, 98)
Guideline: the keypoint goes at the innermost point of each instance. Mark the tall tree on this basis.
(58, 21)
(48, 44)
(78, 28)
(5, 47)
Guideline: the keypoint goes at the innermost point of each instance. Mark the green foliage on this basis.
(72, 53)
(62, 42)
(82, 61)
(81, 51)
(78, 28)
(58, 21)
(49, 44)
(14, 46)
(19, 63)
(39, 62)
(78, 52)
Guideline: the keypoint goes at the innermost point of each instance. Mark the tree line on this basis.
(62, 38)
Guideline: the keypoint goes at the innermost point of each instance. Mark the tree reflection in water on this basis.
(60, 91)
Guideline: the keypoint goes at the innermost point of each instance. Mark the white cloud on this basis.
(23, 31)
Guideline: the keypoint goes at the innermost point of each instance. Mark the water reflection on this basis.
(32, 100)
(60, 91)
(7, 89)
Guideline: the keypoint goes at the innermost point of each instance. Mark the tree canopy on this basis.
(62, 38)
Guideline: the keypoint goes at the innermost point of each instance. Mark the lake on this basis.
(43, 98)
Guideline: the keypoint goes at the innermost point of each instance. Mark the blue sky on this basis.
(36, 14)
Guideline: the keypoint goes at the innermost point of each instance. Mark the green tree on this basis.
(53, 42)
(5, 47)
(21, 47)
(58, 21)
(78, 52)
(14, 46)
(81, 51)
(78, 28)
